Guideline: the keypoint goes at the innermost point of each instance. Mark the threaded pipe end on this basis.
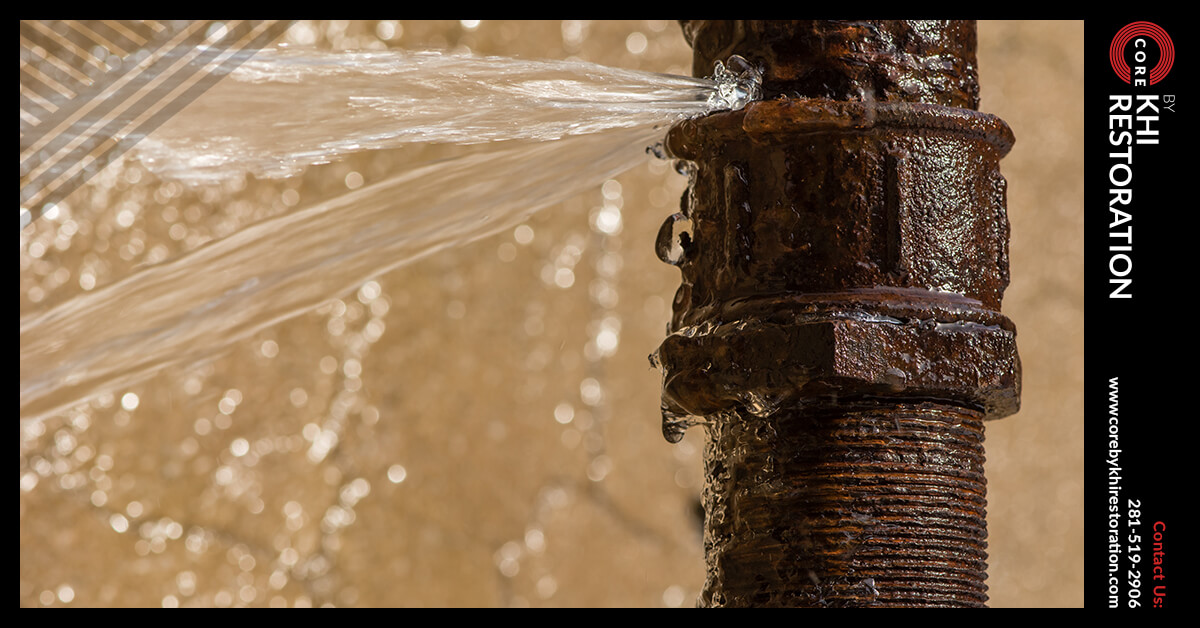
(864, 503)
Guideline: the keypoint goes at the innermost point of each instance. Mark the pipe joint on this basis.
(843, 250)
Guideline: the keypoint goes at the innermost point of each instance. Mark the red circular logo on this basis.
(1166, 51)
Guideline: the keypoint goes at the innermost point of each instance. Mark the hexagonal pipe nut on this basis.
(707, 371)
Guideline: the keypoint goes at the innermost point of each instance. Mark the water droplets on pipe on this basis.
(674, 239)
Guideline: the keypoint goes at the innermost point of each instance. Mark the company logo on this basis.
(1138, 33)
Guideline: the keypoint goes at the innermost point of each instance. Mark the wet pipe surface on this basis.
(838, 328)
(856, 504)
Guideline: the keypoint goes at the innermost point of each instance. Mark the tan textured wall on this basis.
(488, 453)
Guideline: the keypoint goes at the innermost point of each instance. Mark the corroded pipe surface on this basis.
(860, 504)
(931, 61)
(844, 253)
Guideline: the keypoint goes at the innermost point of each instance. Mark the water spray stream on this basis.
(347, 102)
(553, 130)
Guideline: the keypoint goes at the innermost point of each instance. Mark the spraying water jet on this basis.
(544, 130)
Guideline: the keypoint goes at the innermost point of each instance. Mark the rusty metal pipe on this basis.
(838, 329)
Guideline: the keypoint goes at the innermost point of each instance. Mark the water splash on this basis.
(738, 83)
(187, 310)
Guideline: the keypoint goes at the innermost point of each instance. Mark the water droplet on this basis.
(674, 425)
(895, 378)
(658, 150)
(655, 362)
(759, 405)
(674, 239)
(673, 430)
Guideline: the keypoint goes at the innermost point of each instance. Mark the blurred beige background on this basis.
(498, 436)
